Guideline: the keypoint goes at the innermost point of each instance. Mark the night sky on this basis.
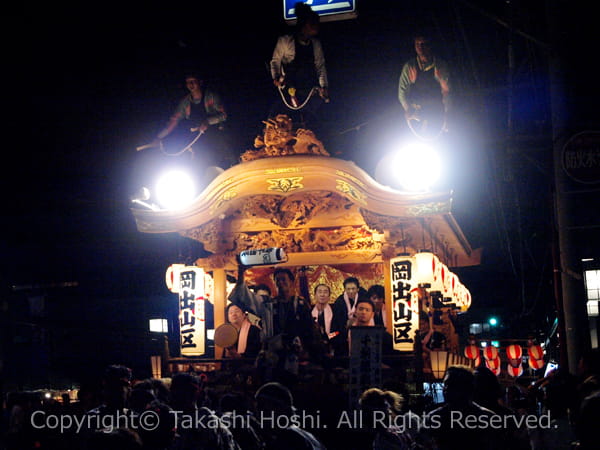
(88, 85)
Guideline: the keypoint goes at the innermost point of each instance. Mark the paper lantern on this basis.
(514, 352)
(477, 361)
(515, 362)
(172, 277)
(535, 352)
(536, 363)
(472, 351)
(490, 352)
(514, 371)
(497, 371)
(492, 364)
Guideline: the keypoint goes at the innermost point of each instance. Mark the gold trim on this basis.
(285, 184)
(346, 188)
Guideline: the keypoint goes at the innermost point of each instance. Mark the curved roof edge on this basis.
(287, 176)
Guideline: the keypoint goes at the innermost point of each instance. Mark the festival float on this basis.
(332, 220)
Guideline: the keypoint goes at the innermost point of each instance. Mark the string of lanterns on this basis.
(514, 357)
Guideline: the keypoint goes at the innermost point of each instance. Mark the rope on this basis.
(184, 149)
(417, 134)
(296, 108)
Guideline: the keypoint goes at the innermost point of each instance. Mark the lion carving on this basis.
(279, 139)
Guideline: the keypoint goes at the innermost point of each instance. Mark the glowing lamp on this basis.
(535, 352)
(514, 352)
(536, 363)
(492, 364)
(472, 351)
(490, 352)
(514, 371)
(439, 363)
(172, 277)
(175, 190)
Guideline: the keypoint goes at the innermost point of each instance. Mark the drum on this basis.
(226, 335)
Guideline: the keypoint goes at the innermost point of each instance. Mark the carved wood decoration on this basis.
(279, 139)
(290, 193)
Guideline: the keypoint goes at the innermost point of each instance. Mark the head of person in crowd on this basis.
(459, 385)
(423, 47)
(116, 386)
(376, 294)
(308, 22)
(274, 398)
(262, 289)
(142, 394)
(365, 310)
(487, 390)
(378, 404)
(351, 287)
(284, 280)
(194, 83)
(235, 315)
(322, 294)
(186, 389)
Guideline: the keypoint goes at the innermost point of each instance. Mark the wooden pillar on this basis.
(220, 301)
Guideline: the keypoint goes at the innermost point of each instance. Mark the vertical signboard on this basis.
(365, 360)
(192, 320)
(405, 303)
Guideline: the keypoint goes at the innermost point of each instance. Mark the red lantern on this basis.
(514, 352)
(497, 370)
(536, 363)
(514, 371)
(515, 362)
(535, 352)
(492, 364)
(472, 351)
(490, 352)
(477, 361)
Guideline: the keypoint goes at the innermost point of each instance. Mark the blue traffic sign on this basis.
(321, 7)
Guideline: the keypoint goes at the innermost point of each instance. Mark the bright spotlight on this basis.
(418, 166)
(175, 190)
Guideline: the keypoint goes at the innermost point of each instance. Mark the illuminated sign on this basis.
(328, 9)
(405, 303)
(192, 320)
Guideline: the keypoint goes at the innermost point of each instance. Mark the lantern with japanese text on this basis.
(172, 277)
(490, 352)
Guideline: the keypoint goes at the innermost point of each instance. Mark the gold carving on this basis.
(279, 139)
(225, 197)
(428, 208)
(346, 188)
(282, 170)
(341, 173)
(285, 184)
(310, 240)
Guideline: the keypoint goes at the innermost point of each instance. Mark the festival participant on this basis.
(298, 64)
(248, 342)
(424, 86)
